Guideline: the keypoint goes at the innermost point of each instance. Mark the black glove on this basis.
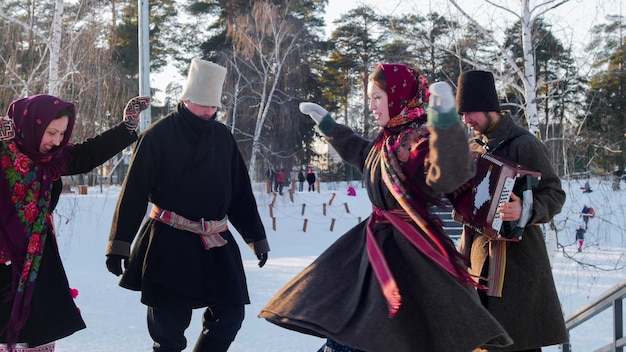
(114, 263)
(262, 259)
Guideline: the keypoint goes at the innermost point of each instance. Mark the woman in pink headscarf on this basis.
(36, 303)
(395, 282)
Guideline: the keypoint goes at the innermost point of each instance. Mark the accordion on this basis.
(476, 203)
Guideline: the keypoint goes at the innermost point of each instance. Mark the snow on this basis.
(116, 319)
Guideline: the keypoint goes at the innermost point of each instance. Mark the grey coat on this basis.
(338, 296)
(529, 308)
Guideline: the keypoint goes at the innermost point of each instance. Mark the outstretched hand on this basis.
(441, 97)
(441, 106)
(314, 110)
(7, 129)
(134, 107)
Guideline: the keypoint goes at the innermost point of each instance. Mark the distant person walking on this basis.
(587, 187)
(587, 213)
(310, 179)
(617, 173)
(301, 180)
(580, 237)
(281, 181)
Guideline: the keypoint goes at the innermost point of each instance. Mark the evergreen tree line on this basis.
(278, 55)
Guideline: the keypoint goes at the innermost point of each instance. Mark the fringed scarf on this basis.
(25, 192)
(404, 148)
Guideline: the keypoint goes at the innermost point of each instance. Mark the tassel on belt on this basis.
(209, 230)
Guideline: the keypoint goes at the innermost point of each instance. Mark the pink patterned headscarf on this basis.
(407, 93)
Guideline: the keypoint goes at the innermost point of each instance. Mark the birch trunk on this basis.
(529, 77)
(527, 74)
(55, 49)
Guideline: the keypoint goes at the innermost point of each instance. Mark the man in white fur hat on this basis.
(189, 167)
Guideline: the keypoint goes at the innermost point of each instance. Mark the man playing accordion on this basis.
(522, 295)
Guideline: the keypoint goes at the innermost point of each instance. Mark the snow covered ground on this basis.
(116, 319)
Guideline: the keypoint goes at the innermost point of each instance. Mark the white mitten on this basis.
(441, 106)
(316, 112)
(441, 97)
(7, 129)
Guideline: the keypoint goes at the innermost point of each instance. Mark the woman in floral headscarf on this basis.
(394, 282)
(36, 303)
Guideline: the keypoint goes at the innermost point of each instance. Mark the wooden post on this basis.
(67, 188)
(324, 209)
(303, 206)
(304, 225)
(273, 199)
(291, 195)
(268, 186)
(332, 225)
(347, 209)
(332, 197)
(274, 224)
(271, 211)
(318, 185)
(359, 219)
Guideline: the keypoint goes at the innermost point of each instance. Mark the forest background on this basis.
(566, 87)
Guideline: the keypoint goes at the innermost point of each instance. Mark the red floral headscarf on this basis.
(407, 94)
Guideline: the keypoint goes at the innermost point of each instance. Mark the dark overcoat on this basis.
(529, 308)
(339, 297)
(53, 313)
(192, 167)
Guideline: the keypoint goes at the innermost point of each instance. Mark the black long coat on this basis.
(53, 314)
(338, 296)
(192, 167)
(529, 308)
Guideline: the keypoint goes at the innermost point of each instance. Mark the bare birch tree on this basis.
(526, 15)
(265, 38)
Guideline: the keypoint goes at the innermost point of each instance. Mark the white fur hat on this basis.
(204, 83)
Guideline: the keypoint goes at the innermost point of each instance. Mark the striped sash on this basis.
(400, 220)
(209, 230)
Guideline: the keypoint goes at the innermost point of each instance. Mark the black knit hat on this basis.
(476, 91)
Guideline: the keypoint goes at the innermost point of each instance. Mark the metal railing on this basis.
(612, 298)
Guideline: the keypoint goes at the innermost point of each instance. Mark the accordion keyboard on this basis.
(505, 196)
